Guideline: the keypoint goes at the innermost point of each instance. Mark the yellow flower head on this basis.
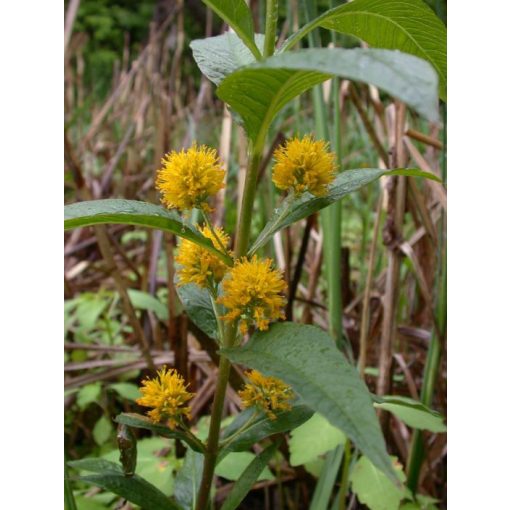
(167, 395)
(199, 265)
(253, 293)
(304, 165)
(267, 393)
(188, 178)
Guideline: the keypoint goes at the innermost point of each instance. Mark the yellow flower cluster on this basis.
(304, 165)
(189, 177)
(167, 395)
(252, 292)
(267, 393)
(199, 265)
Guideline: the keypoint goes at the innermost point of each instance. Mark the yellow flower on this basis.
(188, 178)
(253, 293)
(199, 265)
(267, 393)
(304, 165)
(167, 395)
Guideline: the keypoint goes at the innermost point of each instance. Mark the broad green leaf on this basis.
(150, 464)
(89, 308)
(126, 390)
(238, 15)
(133, 212)
(86, 503)
(197, 303)
(135, 489)
(221, 55)
(187, 481)
(259, 91)
(145, 301)
(258, 426)
(313, 438)
(233, 464)
(88, 394)
(422, 503)
(412, 413)
(406, 25)
(373, 488)
(249, 476)
(306, 358)
(314, 467)
(294, 209)
(102, 430)
(142, 422)
(96, 465)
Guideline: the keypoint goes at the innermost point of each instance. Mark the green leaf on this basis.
(373, 488)
(197, 303)
(313, 438)
(142, 422)
(89, 308)
(151, 464)
(260, 427)
(88, 394)
(96, 465)
(306, 358)
(85, 503)
(294, 209)
(412, 413)
(129, 391)
(233, 464)
(259, 91)
(406, 25)
(238, 15)
(328, 477)
(187, 481)
(135, 489)
(145, 301)
(102, 430)
(249, 476)
(221, 55)
(133, 212)
(422, 503)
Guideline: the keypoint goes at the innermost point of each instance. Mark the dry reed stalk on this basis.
(391, 235)
(224, 153)
(70, 17)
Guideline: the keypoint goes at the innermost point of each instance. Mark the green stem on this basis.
(240, 250)
(214, 434)
(213, 232)
(305, 30)
(344, 480)
(218, 319)
(271, 22)
(250, 186)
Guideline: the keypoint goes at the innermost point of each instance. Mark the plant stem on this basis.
(218, 319)
(214, 433)
(250, 186)
(344, 481)
(213, 232)
(241, 247)
(271, 21)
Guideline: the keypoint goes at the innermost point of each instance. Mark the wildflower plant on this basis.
(296, 370)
